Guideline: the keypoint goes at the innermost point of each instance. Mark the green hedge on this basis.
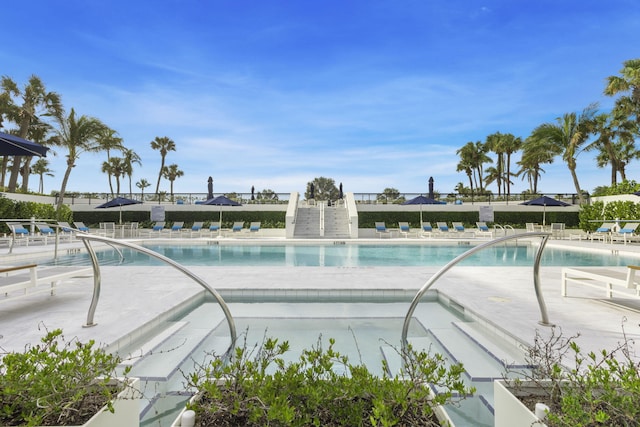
(267, 219)
(468, 218)
(12, 209)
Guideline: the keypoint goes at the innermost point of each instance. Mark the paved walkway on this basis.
(133, 297)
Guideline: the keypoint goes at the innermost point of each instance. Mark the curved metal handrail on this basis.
(86, 238)
(536, 277)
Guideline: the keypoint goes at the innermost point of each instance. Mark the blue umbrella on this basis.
(118, 201)
(11, 145)
(545, 201)
(422, 200)
(221, 201)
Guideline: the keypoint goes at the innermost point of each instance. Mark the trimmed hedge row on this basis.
(268, 219)
(468, 218)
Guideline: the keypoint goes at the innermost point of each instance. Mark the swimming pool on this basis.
(349, 255)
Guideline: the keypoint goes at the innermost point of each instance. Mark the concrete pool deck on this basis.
(132, 297)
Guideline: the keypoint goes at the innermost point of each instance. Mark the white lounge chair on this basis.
(404, 228)
(196, 228)
(483, 230)
(626, 233)
(254, 227)
(427, 230)
(381, 229)
(603, 232)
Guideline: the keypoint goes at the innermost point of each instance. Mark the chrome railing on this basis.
(86, 240)
(536, 277)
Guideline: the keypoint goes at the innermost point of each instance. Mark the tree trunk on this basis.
(63, 186)
(574, 176)
(15, 171)
(26, 172)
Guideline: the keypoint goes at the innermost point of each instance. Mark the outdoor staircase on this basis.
(336, 223)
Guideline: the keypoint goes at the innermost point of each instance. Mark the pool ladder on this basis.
(97, 279)
(536, 277)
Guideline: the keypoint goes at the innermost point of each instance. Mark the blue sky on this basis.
(371, 93)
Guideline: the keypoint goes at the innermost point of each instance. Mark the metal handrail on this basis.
(86, 240)
(536, 277)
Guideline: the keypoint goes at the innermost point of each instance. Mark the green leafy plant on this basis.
(322, 388)
(56, 382)
(583, 389)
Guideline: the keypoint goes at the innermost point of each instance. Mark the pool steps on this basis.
(180, 344)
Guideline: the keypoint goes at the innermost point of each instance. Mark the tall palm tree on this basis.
(534, 154)
(41, 168)
(566, 137)
(164, 145)
(474, 156)
(171, 172)
(142, 184)
(130, 158)
(615, 140)
(77, 135)
(109, 140)
(493, 142)
(114, 167)
(627, 85)
(24, 107)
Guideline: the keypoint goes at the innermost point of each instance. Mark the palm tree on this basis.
(170, 173)
(566, 137)
(534, 154)
(130, 157)
(142, 184)
(77, 135)
(35, 101)
(473, 156)
(41, 168)
(615, 140)
(627, 84)
(109, 140)
(114, 167)
(164, 145)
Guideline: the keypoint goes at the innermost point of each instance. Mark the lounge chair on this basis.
(626, 233)
(214, 228)
(254, 227)
(603, 232)
(459, 228)
(176, 227)
(65, 229)
(482, 230)
(404, 228)
(196, 228)
(45, 231)
(238, 226)
(81, 227)
(443, 228)
(381, 229)
(427, 229)
(19, 233)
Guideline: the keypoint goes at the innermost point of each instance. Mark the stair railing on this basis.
(97, 280)
(536, 278)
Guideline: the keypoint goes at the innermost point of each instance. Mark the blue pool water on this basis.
(350, 255)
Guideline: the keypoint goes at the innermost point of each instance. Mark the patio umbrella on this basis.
(11, 145)
(118, 201)
(545, 201)
(221, 201)
(422, 200)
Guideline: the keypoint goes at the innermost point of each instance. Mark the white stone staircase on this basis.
(336, 223)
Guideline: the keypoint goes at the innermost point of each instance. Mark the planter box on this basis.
(440, 412)
(509, 411)
(126, 409)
